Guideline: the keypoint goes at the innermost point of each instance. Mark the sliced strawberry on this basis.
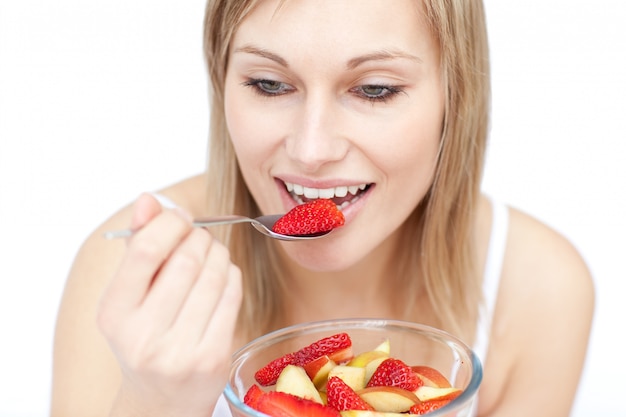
(310, 218)
(280, 404)
(341, 397)
(428, 406)
(395, 373)
(326, 346)
(251, 398)
(270, 372)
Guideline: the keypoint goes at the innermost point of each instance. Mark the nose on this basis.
(316, 137)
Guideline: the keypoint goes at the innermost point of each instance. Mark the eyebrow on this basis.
(263, 53)
(382, 55)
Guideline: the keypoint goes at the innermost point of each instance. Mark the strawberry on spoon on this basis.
(313, 217)
(307, 221)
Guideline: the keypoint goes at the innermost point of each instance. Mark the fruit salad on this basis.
(310, 218)
(326, 378)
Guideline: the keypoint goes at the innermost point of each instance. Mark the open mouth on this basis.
(342, 196)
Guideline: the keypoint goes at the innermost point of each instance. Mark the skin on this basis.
(145, 324)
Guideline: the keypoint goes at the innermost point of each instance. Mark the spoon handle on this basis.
(200, 222)
(221, 220)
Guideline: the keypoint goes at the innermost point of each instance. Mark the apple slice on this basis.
(318, 370)
(381, 351)
(431, 376)
(342, 355)
(426, 393)
(388, 399)
(294, 380)
(353, 376)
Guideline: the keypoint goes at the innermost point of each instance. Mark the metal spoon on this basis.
(263, 224)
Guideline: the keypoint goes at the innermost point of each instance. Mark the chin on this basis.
(321, 256)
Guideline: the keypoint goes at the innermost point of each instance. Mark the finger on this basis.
(221, 327)
(175, 280)
(145, 209)
(204, 297)
(147, 251)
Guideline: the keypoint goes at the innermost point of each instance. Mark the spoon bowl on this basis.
(263, 224)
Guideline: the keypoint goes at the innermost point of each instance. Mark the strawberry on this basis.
(280, 404)
(428, 406)
(252, 396)
(310, 218)
(326, 346)
(395, 373)
(341, 397)
(270, 372)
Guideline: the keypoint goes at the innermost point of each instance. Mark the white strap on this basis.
(495, 256)
(491, 281)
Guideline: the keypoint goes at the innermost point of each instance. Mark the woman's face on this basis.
(336, 99)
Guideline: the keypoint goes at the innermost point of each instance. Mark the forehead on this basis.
(337, 27)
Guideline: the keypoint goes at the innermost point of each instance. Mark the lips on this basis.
(342, 195)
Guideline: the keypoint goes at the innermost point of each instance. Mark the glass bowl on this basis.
(415, 344)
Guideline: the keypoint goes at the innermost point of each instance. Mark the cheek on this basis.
(252, 131)
(411, 147)
(237, 124)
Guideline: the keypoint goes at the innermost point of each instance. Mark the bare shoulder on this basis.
(545, 259)
(540, 265)
(542, 321)
(82, 358)
(546, 284)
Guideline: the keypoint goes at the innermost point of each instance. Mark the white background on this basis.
(101, 100)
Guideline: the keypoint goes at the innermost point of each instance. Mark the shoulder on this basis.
(538, 251)
(542, 269)
(542, 319)
(538, 262)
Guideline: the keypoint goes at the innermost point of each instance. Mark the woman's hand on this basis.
(169, 315)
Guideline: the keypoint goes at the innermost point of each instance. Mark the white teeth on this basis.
(312, 193)
(328, 193)
(340, 191)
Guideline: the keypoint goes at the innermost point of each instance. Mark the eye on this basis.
(375, 92)
(268, 88)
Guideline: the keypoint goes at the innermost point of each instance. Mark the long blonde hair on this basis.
(437, 238)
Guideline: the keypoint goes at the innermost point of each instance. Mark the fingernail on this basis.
(164, 201)
(169, 204)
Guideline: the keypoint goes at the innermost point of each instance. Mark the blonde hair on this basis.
(437, 238)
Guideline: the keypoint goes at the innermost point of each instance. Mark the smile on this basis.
(342, 195)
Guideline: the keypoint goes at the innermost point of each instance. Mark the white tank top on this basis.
(491, 283)
(491, 279)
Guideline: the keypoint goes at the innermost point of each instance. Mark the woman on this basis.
(385, 110)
